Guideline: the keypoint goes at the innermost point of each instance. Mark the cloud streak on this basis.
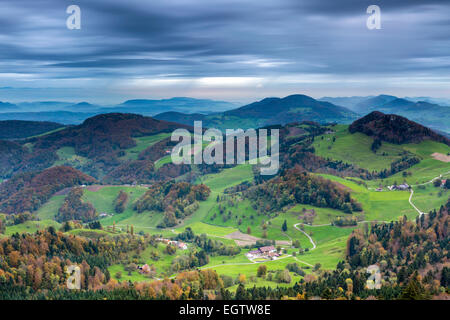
(196, 47)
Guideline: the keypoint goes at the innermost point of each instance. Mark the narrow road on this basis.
(412, 204)
(422, 184)
(309, 237)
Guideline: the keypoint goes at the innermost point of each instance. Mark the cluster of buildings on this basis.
(179, 244)
(268, 252)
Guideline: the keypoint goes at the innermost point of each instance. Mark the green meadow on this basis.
(31, 226)
(355, 149)
(143, 143)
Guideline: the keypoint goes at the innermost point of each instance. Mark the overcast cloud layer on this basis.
(222, 49)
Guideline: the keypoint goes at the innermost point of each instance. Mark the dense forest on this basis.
(296, 186)
(102, 139)
(406, 249)
(395, 129)
(28, 191)
(18, 129)
(74, 208)
(176, 199)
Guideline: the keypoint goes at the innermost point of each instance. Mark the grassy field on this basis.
(422, 172)
(31, 226)
(67, 156)
(162, 263)
(49, 210)
(217, 183)
(103, 201)
(428, 197)
(161, 162)
(208, 229)
(380, 206)
(46, 133)
(143, 143)
(356, 149)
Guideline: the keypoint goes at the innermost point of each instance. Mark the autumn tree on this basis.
(262, 271)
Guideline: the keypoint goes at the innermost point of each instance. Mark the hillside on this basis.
(270, 111)
(395, 129)
(305, 214)
(294, 108)
(433, 113)
(16, 129)
(97, 146)
(184, 118)
(64, 117)
(27, 192)
(177, 104)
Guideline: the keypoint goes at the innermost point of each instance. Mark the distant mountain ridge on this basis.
(270, 111)
(6, 106)
(426, 111)
(395, 129)
(75, 113)
(222, 114)
(17, 129)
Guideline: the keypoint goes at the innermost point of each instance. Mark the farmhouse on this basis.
(267, 249)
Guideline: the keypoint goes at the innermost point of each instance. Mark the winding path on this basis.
(412, 204)
(422, 184)
(309, 237)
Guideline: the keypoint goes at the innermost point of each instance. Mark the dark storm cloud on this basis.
(222, 38)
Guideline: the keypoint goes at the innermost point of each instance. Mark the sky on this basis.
(235, 50)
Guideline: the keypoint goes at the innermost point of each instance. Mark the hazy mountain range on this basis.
(432, 112)
(424, 110)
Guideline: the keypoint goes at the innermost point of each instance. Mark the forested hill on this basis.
(405, 250)
(270, 111)
(17, 129)
(101, 140)
(395, 129)
(106, 134)
(296, 107)
(28, 191)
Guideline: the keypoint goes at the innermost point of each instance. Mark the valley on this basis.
(311, 236)
(307, 216)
